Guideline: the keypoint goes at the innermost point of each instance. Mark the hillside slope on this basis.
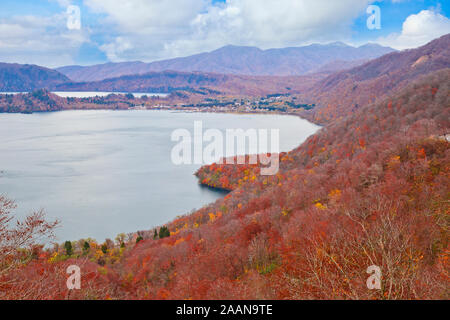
(239, 60)
(24, 77)
(341, 93)
(169, 81)
(369, 189)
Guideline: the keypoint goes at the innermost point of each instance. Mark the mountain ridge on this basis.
(342, 92)
(27, 77)
(232, 59)
(169, 81)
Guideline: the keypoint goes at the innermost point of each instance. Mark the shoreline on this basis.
(172, 108)
(220, 191)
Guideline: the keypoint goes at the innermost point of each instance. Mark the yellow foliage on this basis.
(102, 270)
(320, 206)
(335, 193)
(179, 241)
(98, 254)
(53, 257)
(393, 161)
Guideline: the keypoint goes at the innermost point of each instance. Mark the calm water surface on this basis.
(106, 172)
(84, 94)
(89, 94)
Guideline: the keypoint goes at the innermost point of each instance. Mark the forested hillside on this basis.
(43, 101)
(25, 77)
(369, 189)
(210, 83)
(344, 92)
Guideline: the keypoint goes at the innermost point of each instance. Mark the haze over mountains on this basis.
(243, 61)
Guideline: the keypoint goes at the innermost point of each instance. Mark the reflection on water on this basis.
(106, 172)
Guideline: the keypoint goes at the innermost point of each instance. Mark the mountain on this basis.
(338, 65)
(169, 81)
(343, 92)
(25, 77)
(335, 95)
(237, 60)
(102, 71)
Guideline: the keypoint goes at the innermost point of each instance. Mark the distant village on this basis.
(43, 100)
(275, 103)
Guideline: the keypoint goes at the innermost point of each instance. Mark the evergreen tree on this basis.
(86, 247)
(68, 247)
(164, 232)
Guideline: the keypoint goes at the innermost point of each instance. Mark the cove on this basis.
(106, 172)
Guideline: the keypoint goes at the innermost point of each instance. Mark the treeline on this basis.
(42, 100)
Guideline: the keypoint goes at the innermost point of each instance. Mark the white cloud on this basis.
(149, 16)
(39, 40)
(418, 29)
(117, 48)
(154, 29)
(149, 30)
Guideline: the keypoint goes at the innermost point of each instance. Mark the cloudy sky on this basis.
(46, 32)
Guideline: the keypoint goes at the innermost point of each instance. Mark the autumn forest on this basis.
(371, 187)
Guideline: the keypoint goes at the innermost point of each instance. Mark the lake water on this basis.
(89, 94)
(86, 94)
(106, 172)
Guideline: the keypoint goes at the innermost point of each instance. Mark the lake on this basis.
(90, 94)
(106, 172)
(86, 94)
